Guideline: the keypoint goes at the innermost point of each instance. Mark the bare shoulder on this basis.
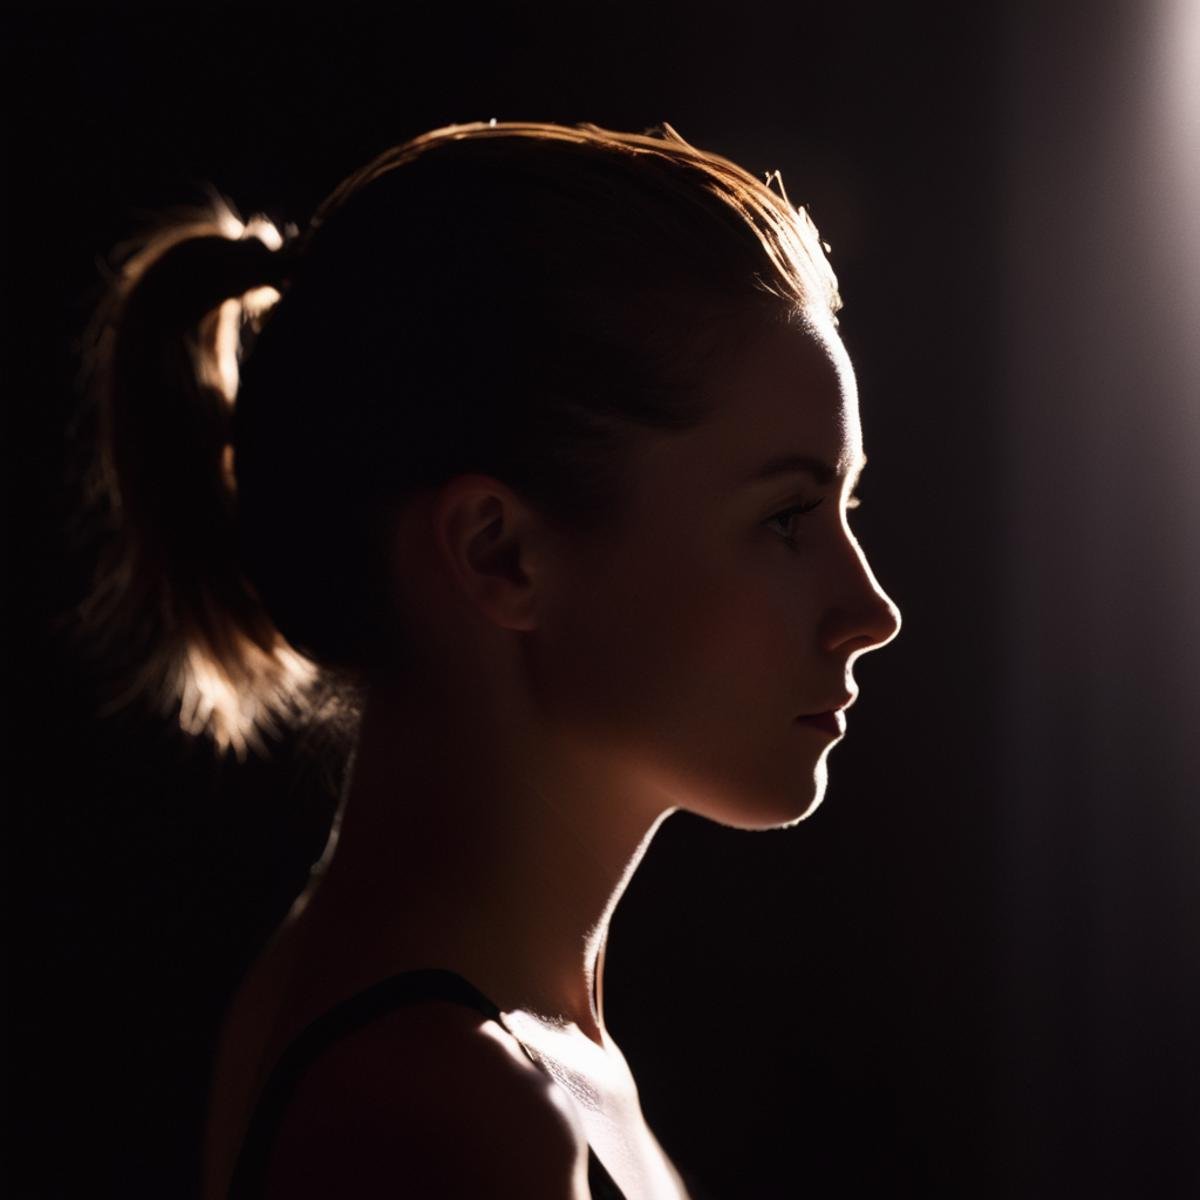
(432, 1100)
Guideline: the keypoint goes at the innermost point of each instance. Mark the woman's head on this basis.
(698, 651)
(531, 303)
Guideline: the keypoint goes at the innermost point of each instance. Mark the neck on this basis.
(471, 840)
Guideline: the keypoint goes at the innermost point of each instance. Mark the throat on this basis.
(596, 1076)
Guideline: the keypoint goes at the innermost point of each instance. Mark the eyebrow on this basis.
(789, 464)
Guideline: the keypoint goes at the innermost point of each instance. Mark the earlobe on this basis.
(483, 530)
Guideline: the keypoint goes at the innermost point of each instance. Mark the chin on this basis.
(820, 780)
(774, 812)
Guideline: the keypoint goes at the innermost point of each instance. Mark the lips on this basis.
(832, 722)
(840, 704)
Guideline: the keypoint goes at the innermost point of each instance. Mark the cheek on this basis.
(683, 642)
(617, 637)
(685, 671)
(747, 632)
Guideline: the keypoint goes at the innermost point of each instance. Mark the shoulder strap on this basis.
(410, 987)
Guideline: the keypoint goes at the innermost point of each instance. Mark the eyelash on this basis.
(797, 510)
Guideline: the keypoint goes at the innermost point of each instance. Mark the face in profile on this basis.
(707, 647)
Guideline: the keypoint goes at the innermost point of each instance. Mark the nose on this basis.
(863, 616)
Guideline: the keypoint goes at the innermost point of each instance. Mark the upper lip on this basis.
(838, 705)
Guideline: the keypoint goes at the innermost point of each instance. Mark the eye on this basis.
(794, 510)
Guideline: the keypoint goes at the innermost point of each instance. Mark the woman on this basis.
(538, 466)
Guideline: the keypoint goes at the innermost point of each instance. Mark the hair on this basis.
(511, 298)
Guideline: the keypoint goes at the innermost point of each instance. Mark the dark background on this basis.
(974, 972)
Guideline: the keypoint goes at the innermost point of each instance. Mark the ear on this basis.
(489, 540)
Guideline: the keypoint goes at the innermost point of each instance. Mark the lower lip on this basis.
(831, 723)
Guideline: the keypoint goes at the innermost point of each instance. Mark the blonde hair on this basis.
(202, 592)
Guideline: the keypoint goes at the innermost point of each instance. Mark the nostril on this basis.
(862, 626)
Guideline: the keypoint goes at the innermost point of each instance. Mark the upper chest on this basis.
(604, 1097)
(275, 1003)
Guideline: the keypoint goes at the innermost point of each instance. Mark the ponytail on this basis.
(169, 605)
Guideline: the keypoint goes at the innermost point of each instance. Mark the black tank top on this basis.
(410, 987)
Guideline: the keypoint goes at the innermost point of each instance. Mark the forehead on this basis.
(785, 390)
